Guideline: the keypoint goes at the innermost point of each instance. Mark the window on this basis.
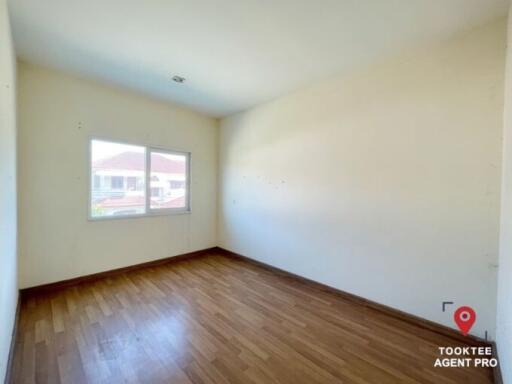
(110, 164)
(117, 182)
(168, 180)
(132, 180)
(131, 183)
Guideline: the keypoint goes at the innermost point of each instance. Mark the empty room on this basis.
(256, 192)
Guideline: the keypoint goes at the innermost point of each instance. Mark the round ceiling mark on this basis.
(178, 79)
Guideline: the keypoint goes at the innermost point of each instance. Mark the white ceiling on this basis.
(233, 53)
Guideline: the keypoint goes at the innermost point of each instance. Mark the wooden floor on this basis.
(215, 319)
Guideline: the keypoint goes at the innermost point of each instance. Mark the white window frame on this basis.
(147, 168)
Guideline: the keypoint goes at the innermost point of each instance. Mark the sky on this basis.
(102, 149)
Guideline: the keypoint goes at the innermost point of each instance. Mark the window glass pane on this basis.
(168, 180)
(118, 179)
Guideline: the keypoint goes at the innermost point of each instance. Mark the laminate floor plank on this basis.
(215, 319)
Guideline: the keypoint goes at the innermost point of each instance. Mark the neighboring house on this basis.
(118, 184)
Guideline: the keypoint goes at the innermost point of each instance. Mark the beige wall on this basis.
(385, 183)
(57, 116)
(504, 316)
(8, 261)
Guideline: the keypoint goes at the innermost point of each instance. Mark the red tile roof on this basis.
(178, 202)
(126, 201)
(135, 161)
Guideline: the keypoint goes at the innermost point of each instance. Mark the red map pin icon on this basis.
(464, 317)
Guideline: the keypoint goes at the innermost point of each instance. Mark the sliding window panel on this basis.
(169, 181)
(117, 180)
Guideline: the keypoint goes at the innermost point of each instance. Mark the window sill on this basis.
(166, 212)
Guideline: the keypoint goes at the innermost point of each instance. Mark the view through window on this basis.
(168, 180)
(118, 180)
